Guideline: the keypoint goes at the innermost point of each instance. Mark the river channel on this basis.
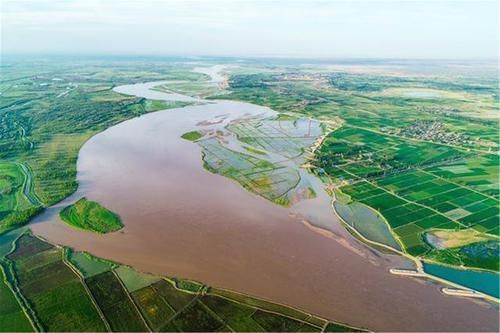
(181, 220)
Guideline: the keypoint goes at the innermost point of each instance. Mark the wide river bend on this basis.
(180, 220)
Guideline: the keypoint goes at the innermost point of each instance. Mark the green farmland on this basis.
(48, 288)
(421, 152)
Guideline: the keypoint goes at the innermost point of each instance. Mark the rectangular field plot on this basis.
(272, 181)
(197, 318)
(12, 317)
(160, 302)
(27, 245)
(447, 198)
(153, 306)
(53, 290)
(247, 301)
(355, 144)
(289, 138)
(237, 316)
(114, 302)
(480, 173)
(89, 265)
(275, 323)
(134, 280)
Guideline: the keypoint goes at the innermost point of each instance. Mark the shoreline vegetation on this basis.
(90, 216)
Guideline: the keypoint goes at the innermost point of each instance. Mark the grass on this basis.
(91, 216)
(192, 136)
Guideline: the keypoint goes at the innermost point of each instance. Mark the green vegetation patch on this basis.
(114, 302)
(53, 290)
(188, 285)
(134, 280)
(176, 298)
(192, 136)
(196, 318)
(275, 323)
(89, 215)
(153, 306)
(12, 316)
(237, 316)
(269, 180)
(89, 265)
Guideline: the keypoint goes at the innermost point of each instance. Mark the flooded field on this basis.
(181, 220)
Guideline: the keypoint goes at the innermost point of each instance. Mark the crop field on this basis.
(11, 188)
(134, 280)
(418, 200)
(264, 156)
(289, 138)
(89, 265)
(115, 303)
(154, 305)
(53, 290)
(271, 181)
(89, 215)
(12, 317)
(420, 150)
(40, 283)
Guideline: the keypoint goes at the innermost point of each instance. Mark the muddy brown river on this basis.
(183, 221)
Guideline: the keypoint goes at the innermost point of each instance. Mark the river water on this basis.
(183, 221)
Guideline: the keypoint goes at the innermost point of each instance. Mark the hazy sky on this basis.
(336, 29)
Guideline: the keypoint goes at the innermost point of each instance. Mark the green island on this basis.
(40, 278)
(192, 136)
(90, 215)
